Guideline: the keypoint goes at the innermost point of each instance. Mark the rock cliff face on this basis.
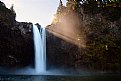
(60, 53)
(16, 40)
(97, 32)
(74, 39)
(57, 55)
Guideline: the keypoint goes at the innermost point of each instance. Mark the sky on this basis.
(35, 11)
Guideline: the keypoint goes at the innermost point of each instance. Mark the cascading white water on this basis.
(44, 46)
(40, 49)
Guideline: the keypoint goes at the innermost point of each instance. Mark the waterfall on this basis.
(40, 49)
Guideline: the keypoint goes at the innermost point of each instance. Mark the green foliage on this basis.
(100, 23)
(103, 45)
(111, 13)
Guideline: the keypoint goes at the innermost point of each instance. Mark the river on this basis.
(102, 77)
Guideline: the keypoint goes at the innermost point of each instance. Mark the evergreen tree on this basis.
(13, 11)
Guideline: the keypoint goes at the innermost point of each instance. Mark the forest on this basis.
(98, 34)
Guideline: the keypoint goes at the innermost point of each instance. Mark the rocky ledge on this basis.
(16, 40)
